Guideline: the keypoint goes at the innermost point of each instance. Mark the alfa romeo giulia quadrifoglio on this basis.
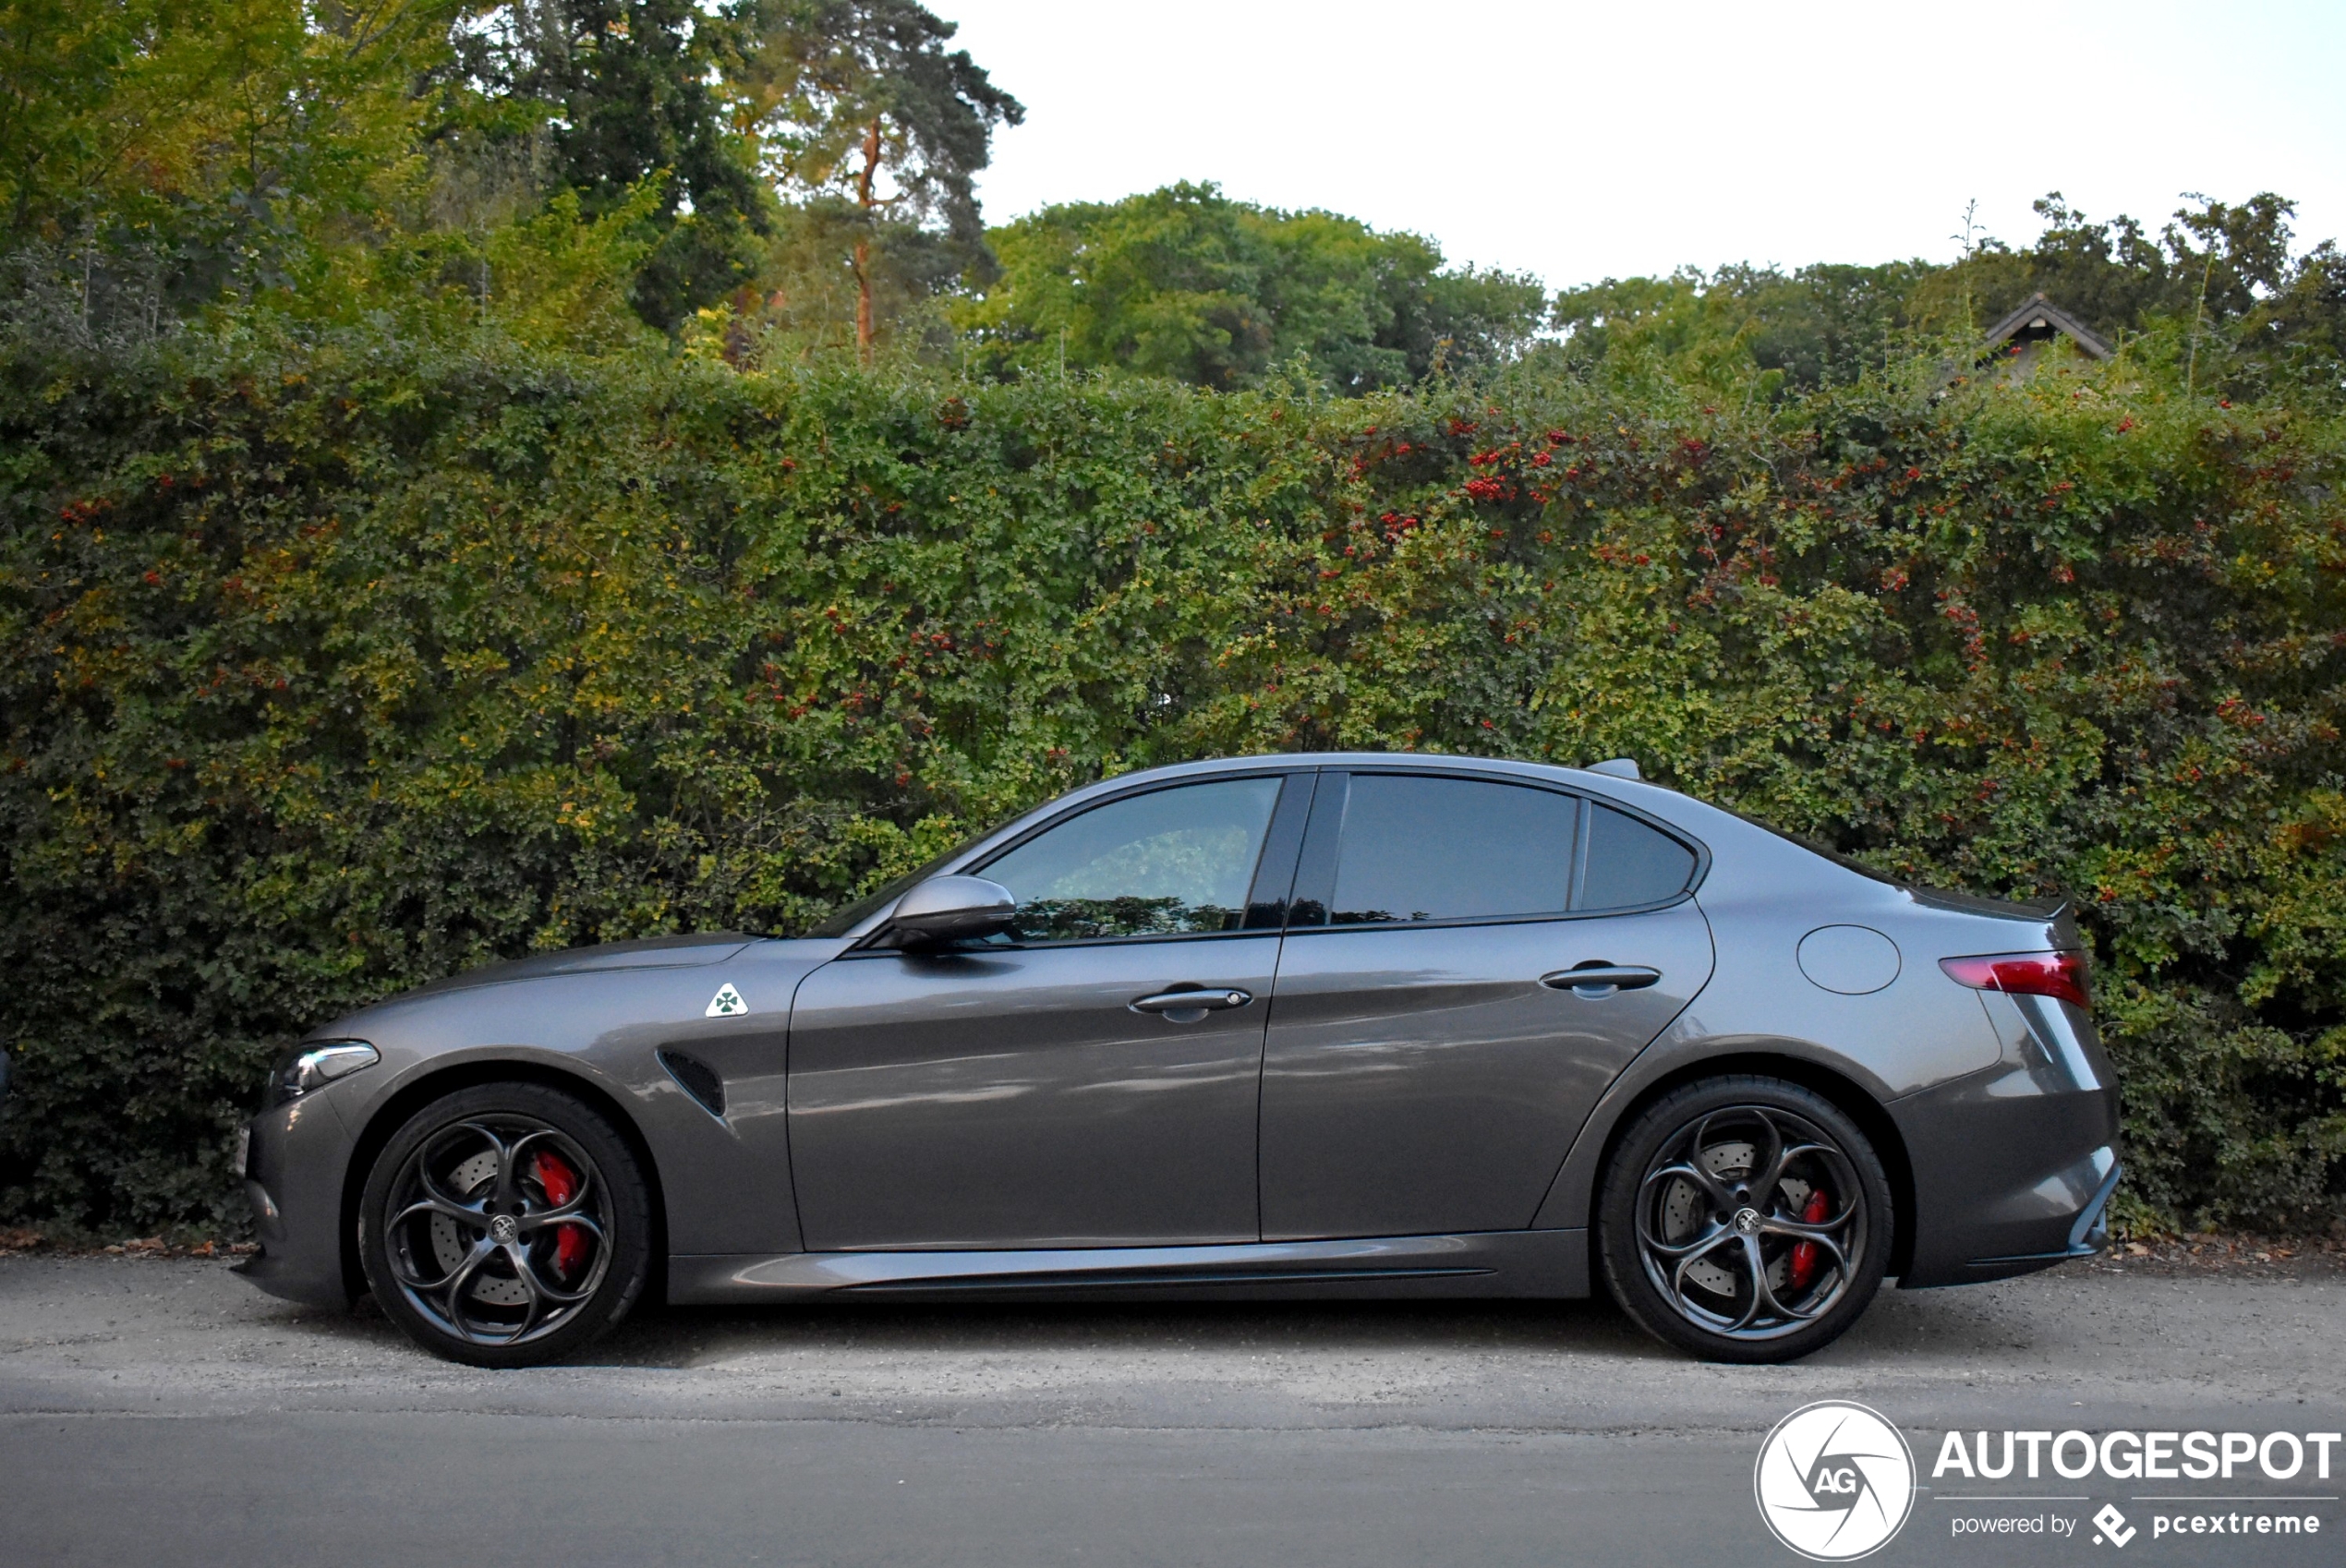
(1312, 1026)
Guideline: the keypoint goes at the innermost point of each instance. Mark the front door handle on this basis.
(1597, 980)
(1188, 1007)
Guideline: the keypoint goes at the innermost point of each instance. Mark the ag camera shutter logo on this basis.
(1835, 1482)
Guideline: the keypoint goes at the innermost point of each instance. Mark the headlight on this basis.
(317, 1064)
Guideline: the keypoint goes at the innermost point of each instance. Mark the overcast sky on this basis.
(1577, 142)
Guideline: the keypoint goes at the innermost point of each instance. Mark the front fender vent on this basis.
(696, 1079)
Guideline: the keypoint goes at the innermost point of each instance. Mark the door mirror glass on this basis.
(1167, 863)
(1630, 863)
(1417, 847)
(947, 909)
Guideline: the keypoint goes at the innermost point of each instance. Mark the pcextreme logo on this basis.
(1835, 1482)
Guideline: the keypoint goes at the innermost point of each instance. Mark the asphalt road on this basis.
(164, 1412)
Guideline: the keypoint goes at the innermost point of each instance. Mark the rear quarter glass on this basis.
(1630, 863)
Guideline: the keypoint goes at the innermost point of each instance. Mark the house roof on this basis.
(2039, 313)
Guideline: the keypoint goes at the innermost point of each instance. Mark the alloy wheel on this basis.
(498, 1229)
(1747, 1222)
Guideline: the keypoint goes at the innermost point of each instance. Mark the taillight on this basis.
(2059, 976)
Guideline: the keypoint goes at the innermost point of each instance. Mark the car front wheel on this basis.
(505, 1225)
(1744, 1218)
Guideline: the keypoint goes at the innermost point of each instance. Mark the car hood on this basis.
(650, 952)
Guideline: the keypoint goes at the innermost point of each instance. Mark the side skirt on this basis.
(1550, 1263)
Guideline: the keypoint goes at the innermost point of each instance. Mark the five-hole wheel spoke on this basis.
(1744, 1218)
(497, 1228)
(1748, 1220)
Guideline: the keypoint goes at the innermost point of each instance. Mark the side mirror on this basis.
(944, 908)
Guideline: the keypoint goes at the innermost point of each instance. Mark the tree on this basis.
(625, 92)
(1188, 283)
(157, 158)
(1821, 325)
(862, 111)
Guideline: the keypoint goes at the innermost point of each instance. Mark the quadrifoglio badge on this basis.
(1836, 1481)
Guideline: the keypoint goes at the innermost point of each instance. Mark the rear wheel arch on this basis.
(1846, 1095)
(392, 1114)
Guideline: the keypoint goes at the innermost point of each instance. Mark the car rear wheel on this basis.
(505, 1225)
(1746, 1219)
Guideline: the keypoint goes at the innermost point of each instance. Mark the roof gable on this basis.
(2039, 313)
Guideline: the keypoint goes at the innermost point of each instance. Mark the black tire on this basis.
(506, 1224)
(1717, 1267)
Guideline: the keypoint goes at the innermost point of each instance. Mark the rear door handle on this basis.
(1601, 980)
(1198, 1002)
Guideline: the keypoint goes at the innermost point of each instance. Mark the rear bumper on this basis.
(2005, 1187)
(2088, 1235)
(2014, 1167)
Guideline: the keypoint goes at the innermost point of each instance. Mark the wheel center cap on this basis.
(505, 1228)
(1747, 1221)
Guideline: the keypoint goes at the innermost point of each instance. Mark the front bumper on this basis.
(294, 1159)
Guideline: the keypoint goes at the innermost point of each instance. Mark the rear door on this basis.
(1428, 1057)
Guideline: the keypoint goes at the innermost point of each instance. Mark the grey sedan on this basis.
(1304, 1026)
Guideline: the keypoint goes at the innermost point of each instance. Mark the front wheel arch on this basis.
(392, 1114)
(1850, 1099)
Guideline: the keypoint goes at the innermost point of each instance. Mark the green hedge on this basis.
(329, 666)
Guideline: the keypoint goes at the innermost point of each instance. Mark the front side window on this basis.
(1414, 848)
(1167, 863)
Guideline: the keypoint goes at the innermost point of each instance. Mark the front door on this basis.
(1428, 1059)
(1053, 1088)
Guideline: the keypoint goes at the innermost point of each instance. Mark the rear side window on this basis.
(1416, 849)
(1629, 863)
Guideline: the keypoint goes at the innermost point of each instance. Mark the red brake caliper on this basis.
(562, 1184)
(1805, 1253)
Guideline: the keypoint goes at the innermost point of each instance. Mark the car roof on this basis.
(1445, 761)
(1650, 799)
(1635, 794)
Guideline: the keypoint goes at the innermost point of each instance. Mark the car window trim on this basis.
(1552, 918)
(1316, 860)
(1268, 896)
(980, 950)
(1316, 865)
(1584, 823)
(1324, 804)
